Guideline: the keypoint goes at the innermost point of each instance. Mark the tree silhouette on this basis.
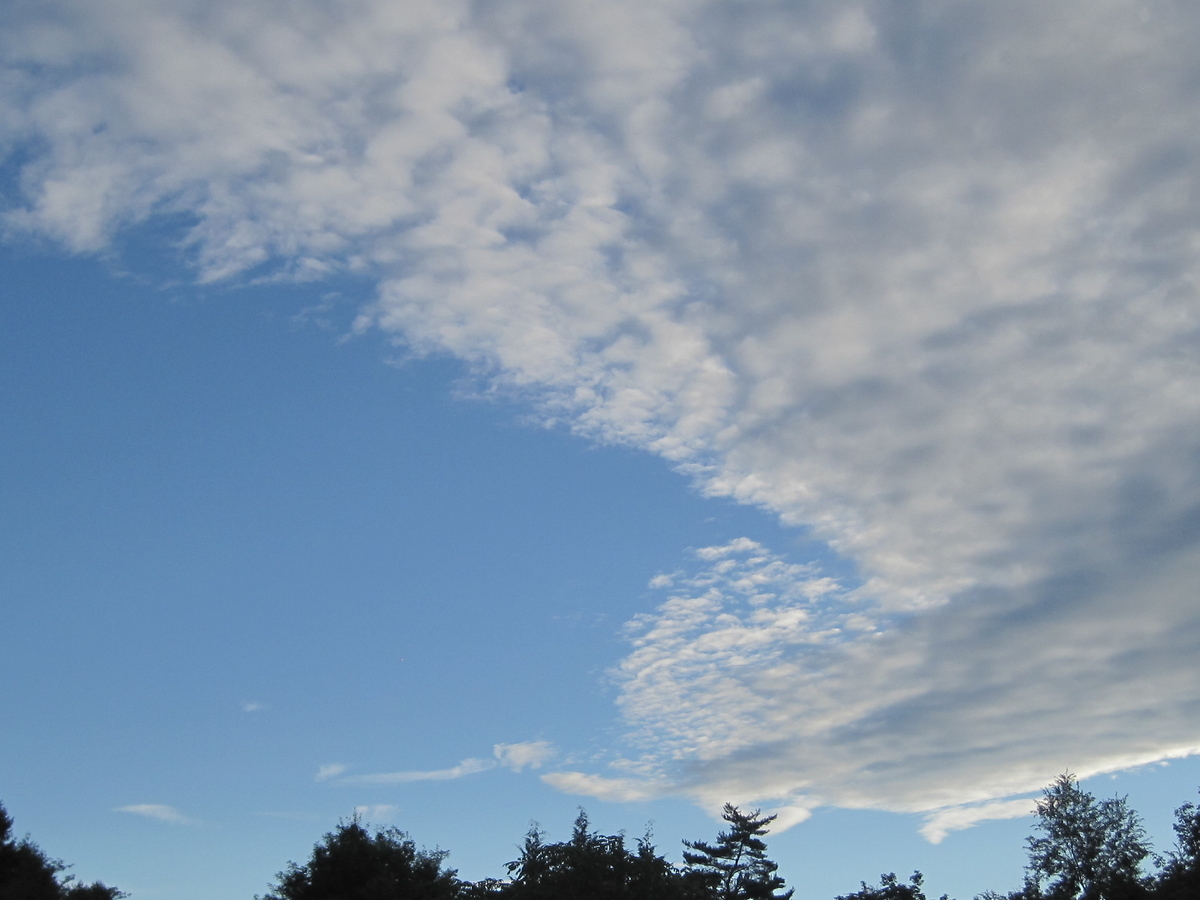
(591, 866)
(736, 866)
(27, 873)
(486, 889)
(350, 863)
(1180, 877)
(1087, 849)
(891, 888)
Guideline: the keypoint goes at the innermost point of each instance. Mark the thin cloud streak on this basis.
(922, 279)
(157, 811)
(516, 757)
(466, 767)
(379, 812)
(330, 770)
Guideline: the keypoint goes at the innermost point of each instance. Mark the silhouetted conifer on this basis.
(736, 866)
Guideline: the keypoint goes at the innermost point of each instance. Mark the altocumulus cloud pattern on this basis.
(920, 276)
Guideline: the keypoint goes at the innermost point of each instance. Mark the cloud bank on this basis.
(920, 277)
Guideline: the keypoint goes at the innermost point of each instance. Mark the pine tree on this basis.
(736, 866)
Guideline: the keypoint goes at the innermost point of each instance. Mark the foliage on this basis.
(591, 866)
(891, 888)
(482, 890)
(1082, 849)
(1086, 849)
(94, 891)
(350, 863)
(736, 866)
(1180, 877)
(27, 873)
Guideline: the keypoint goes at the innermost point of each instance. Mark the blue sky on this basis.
(469, 411)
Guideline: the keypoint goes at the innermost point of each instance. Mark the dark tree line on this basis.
(27, 873)
(1089, 849)
(352, 864)
(1082, 849)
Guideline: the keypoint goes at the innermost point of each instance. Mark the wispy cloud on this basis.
(921, 278)
(939, 824)
(379, 812)
(619, 790)
(518, 757)
(523, 755)
(329, 770)
(157, 811)
(466, 767)
(252, 706)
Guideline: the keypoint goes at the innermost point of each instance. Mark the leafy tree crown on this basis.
(1086, 849)
(351, 863)
(27, 873)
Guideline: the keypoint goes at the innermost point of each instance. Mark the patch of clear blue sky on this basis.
(210, 503)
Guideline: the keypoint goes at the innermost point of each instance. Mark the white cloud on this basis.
(251, 706)
(619, 790)
(760, 681)
(379, 812)
(466, 767)
(525, 754)
(157, 811)
(939, 824)
(518, 757)
(329, 770)
(921, 278)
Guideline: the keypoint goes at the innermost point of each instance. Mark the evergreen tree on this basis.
(736, 866)
(353, 864)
